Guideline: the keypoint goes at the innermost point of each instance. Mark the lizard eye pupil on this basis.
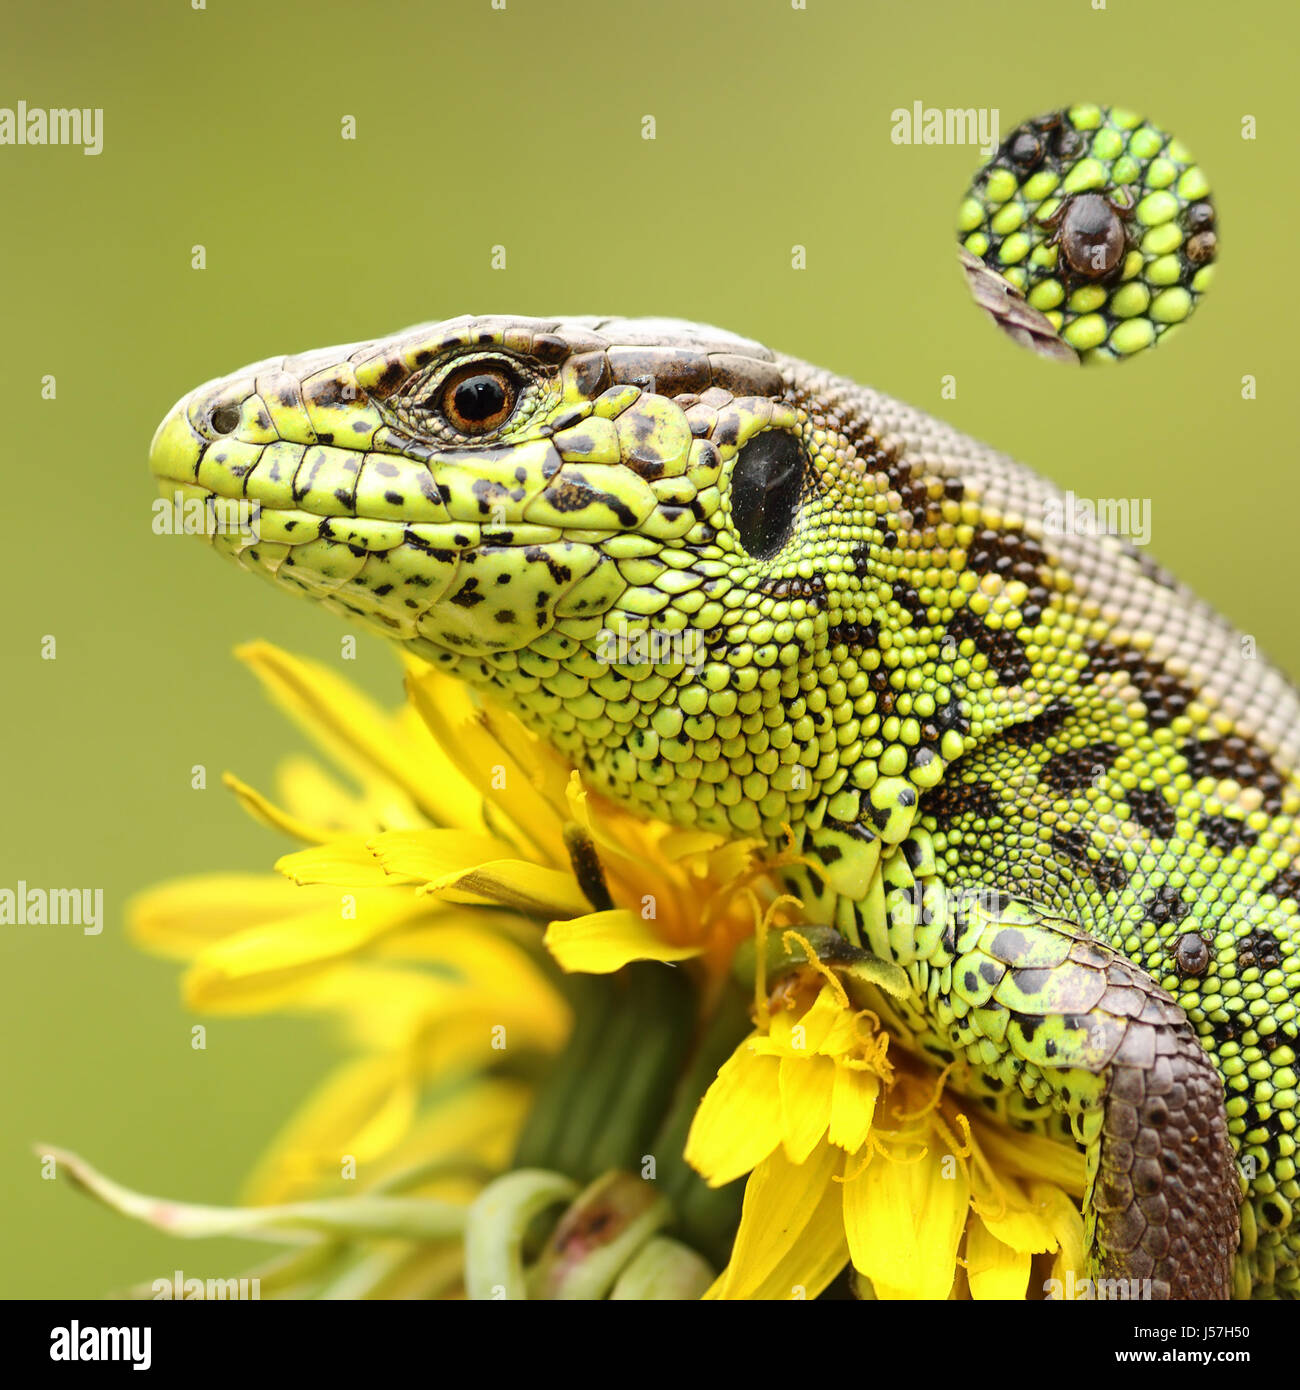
(766, 485)
(478, 398)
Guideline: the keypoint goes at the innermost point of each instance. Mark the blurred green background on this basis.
(520, 127)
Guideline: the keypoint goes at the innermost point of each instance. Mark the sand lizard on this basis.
(1029, 766)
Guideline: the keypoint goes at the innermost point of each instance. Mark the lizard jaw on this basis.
(416, 549)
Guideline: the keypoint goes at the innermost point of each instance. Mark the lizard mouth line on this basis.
(449, 534)
(445, 588)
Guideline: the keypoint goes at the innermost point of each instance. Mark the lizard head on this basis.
(650, 539)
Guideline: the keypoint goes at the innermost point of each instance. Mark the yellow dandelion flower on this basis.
(542, 998)
(412, 915)
(858, 1153)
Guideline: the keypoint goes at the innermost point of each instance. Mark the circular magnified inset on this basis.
(1090, 235)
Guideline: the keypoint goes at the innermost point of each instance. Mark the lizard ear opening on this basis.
(766, 487)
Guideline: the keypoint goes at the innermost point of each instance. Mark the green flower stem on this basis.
(663, 1269)
(498, 1221)
(607, 1062)
(626, 1088)
(706, 1216)
(609, 1087)
(660, 1007)
(403, 1271)
(593, 1003)
(366, 1215)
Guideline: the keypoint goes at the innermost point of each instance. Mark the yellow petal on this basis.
(806, 1088)
(312, 794)
(421, 942)
(682, 844)
(181, 917)
(790, 1243)
(380, 1008)
(347, 862)
(478, 1122)
(850, 1031)
(804, 1034)
(344, 724)
(239, 972)
(722, 863)
(513, 883)
(474, 1030)
(267, 813)
(994, 1269)
(467, 867)
(432, 854)
(494, 784)
(1013, 1220)
(600, 942)
(1030, 1155)
(738, 1122)
(853, 1105)
(464, 944)
(1063, 1218)
(361, 1111)
(606, 826)
(905, 1221)
(444, 1023)
(544, 772)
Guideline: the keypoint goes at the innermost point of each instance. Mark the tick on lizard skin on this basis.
(1092, 232)
(1099, 221)
(911, 682)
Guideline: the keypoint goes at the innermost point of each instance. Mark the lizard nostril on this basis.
(225, 419)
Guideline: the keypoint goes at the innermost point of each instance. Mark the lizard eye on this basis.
(478, 397)
(766, 485)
